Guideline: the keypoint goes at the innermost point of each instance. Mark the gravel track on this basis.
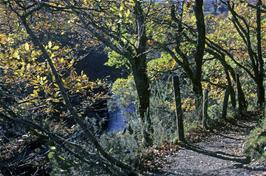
(186, 162)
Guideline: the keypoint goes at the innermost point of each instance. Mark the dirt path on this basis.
(228, 144)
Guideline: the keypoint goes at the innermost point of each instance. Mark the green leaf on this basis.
(51, 155)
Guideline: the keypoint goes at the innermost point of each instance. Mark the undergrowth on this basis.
(255, 146)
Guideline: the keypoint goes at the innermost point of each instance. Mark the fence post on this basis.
(225, 102)
(178, 110)
(205, 103)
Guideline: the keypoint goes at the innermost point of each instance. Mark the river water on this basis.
(117, 120)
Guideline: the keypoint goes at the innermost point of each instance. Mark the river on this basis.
(117, 120)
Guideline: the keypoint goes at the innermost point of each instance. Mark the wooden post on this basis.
(205, 102)
(225, 102)
(178, 110)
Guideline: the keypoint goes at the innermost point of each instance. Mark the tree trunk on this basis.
(232, 97)
(260, 93)
(260, 76)
(201, 36)
(139, 70)
(230, 87)
(242, 104)
(239, 93)
(200, 48)
(178, 110)
(225, 102)
(197, 89)
(142, 85)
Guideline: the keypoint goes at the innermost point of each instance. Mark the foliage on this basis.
(31, 92)
(160, 66)
(117, 61)
(162, 110)
(255, 145)
(23, 65)
(147, 45)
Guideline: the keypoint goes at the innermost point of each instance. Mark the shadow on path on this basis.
(218, 154)
(229, 137)
(250, 168)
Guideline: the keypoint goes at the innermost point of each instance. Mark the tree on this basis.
(23, 12)
(244, 29)
(121, 26)
(220, 54)
(190, 61)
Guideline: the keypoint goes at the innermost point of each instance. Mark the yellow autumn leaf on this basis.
(84, 77)
(35, 93)
(3, 39)
(28, 67)
(55, 48)
(16, 54)
(61, 60)
(27, 47)
(49, 44)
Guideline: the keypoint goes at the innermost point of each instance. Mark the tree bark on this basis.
(260, 92)
(139, 70)
(231, 91)
(242, 104)
(197, 89)
(178, 110)
(228, 69)
(260, 76)
(201, 36)
(225, 102)
(143, 91)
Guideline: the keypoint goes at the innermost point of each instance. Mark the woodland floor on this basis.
(219, 154)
